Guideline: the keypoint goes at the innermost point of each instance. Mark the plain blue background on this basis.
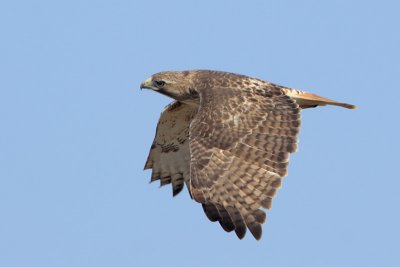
(75, 131)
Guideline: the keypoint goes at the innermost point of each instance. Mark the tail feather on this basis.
(308, 100)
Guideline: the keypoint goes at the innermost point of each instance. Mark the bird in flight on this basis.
(228, 137)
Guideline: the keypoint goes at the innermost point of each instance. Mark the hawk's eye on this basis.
(159, 83)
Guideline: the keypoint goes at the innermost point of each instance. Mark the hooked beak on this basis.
(147, 84)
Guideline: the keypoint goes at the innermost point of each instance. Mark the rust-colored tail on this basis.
(309, 100)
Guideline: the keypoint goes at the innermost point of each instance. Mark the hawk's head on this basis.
(175, 84)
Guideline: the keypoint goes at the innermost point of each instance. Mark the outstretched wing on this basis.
(240, 141)
(169, 156)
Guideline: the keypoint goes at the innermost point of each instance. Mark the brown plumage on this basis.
(228, 137)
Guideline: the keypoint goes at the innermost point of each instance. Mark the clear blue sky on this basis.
(75, 131)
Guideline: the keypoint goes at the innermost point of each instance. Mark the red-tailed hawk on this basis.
(228, 137)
